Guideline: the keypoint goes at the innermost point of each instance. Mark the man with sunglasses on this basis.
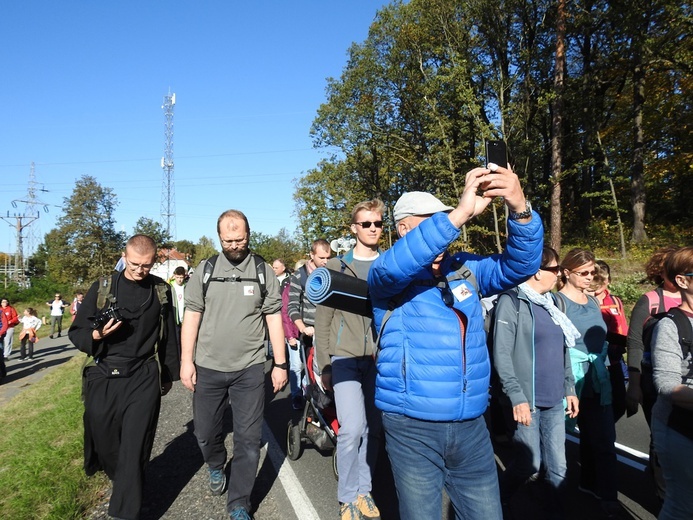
(433, 362)
(134, 364)
(344, 347)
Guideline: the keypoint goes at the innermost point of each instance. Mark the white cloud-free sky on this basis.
(82, 88)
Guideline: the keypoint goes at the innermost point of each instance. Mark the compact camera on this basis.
(102, 317)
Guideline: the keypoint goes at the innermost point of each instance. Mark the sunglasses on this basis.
(585, 273)
(555, 269)
(367, 224)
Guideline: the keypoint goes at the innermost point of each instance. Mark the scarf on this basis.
(544, 300)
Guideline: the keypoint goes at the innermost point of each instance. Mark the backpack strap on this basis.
(260, 275)
(460, 272)
(104, 294)
(684, 328)
(656, 301)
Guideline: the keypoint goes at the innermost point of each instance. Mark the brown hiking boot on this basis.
(349, 511)
(367, 507)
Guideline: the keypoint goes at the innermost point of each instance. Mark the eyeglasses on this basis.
(367, 224)
(238, 242)
(688, 274)
(555, 269)
(585, 273)
(135, 267)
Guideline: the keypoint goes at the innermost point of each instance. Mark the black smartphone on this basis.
(497, 153)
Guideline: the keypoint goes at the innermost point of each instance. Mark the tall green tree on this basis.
(204, 248)
(85, 244)
(154, 230)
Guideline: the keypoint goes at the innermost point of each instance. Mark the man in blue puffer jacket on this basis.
(433, 363)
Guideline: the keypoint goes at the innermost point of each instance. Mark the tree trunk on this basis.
(637, 182)
(556, 125)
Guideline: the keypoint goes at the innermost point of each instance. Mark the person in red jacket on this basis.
(12, 320)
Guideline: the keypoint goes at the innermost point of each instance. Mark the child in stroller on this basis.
(318, 422)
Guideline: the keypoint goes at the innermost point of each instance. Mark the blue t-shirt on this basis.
(587, 318)
(549, 359)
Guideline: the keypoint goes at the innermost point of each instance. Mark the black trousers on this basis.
(120, 419)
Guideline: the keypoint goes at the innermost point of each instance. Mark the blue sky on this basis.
(83, 83)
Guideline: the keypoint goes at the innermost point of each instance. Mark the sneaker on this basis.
(240, 513)
(367, 507)
(217, 481)
(349, 511)
(51, 336)
(612, 508)
(297, 402)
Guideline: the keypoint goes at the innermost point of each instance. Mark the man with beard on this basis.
(133, 365)
(222, 356)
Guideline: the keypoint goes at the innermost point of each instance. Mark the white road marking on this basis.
(625, 460)
(298, 498)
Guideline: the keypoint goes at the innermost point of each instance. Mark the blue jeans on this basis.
(675, 452)
(426, 456)
(353, 381)
(542, 441)
(295, 370)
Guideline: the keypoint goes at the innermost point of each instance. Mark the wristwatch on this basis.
(522, 214)
(283, 366)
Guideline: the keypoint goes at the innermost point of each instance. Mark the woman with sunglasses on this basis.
(530, 355)
(598, 466)
(672, 414)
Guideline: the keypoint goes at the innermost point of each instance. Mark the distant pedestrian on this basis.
(57, 306)
(12, 322)
(178, 292)
(79, 296)
(30, 324)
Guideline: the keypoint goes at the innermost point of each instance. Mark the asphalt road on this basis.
(305, 489)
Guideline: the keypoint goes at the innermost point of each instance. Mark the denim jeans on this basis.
(675, 453)
(295, 370)
(245, 391)
(426, 456)
(353, 381)
(542, 441)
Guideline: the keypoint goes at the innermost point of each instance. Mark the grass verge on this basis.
(41, 474)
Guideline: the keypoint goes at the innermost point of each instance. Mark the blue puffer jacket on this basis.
(425, 369)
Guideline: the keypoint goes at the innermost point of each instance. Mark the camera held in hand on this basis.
(102, 317)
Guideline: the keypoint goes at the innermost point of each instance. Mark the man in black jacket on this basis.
(134, 364)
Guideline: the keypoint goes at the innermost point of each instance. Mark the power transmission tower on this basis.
(168, 193)
(25, 247)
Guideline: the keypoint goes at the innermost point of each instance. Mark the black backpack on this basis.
(680, 419)
(683, 326)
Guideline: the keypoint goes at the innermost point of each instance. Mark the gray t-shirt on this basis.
(232, 331)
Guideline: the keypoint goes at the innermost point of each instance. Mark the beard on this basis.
(236, 256)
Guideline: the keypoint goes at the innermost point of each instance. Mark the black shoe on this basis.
(22, 358)
(297, 402)
(59, 333)
(51, 336)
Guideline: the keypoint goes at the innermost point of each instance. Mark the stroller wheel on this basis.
(293, 441)
(334, 463)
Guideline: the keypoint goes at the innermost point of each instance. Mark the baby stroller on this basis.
(318, 422)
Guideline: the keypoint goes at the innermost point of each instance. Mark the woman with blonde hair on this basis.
(598, 466)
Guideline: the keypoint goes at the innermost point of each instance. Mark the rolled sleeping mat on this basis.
(339, 291)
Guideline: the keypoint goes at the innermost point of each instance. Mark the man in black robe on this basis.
(133, 365)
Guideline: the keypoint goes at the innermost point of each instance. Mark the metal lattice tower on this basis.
(168, 192)
(32, 209)
(26, 242)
